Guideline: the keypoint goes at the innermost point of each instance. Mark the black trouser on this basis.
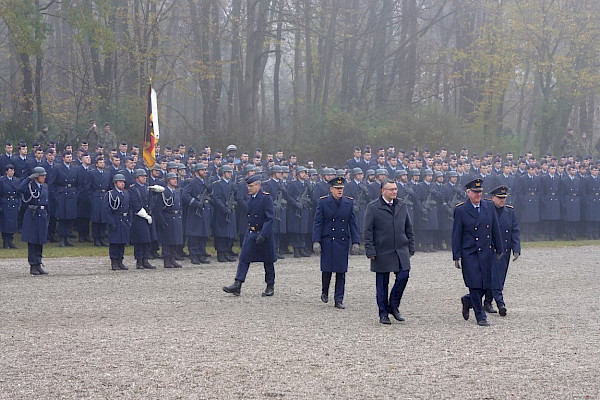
(197, 245)
(297, 239)
(340, 282)
(222, 244)
(83, 226)
(550, 229)
(65, 227)
(142, 251)
(34, 253)
(116, 251)
(98, 230)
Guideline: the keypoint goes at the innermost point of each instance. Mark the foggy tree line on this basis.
(315, 75)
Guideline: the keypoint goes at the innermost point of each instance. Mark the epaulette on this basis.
(322, 197)
(348, 197)
(460, 204)
(488, 199)
(509, 206)
(266, 193)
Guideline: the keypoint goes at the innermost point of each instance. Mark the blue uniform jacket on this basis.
(10, 202)
(297, 219)
(277, 192)
(117, 215)
(475, 238)
(335, 228)
(168, 215)
(592, 198)
(260, 222)
(550, 198)
(511, 240)
(141, 230)
(570, 199)
(221, 227)
(64, 184)
(99, 184)
(36, 218)
(199, 214)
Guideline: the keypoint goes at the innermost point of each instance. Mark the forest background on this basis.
(313, 76)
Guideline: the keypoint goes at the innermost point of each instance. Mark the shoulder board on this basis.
(266, 193)
(460, 204)
(509, 206)
(488, 199)
(348, 197)
(323, 197)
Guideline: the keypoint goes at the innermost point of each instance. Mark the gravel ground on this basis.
(87, 332)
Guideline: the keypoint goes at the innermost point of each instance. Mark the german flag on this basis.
(151, 132)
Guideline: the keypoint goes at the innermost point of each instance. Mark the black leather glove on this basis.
(457, 264)
(260, 239)
(516, 255)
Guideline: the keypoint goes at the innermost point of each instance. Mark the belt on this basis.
(36, 207)
(574, 194)
(171, 212)
(553, 194)
(255, 228)
(69, 185)
(532, 194)
(121, 214)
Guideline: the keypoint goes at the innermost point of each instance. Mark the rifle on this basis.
(406, 200)
(361, 200)
(204, 198)
(231, 203)
(304, 200)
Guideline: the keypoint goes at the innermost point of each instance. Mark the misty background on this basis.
(311, 76)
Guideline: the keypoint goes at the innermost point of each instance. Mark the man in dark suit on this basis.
(334, 228)
(475, 236)
(389, 244)
(511, 240)
(259, 240)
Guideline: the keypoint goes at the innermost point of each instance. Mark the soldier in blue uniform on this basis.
(276, 188)
(570, 201)
(550, 202)
(259, 241)
(223, 218)
(117, 215)
(475, 238)
(298, 212)
(64, 183)
(143, 231)
(511, 241)
(99, 183)
(197, 195)
(168, 215)
(591, 194)
(357, 190)
(34, 193)
(10, 203)
(527, 191)
(334, 229)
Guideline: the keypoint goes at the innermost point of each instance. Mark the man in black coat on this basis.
(389, 244)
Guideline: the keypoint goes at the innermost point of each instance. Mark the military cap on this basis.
(381, 171)
(301, 169)
(118, 177)
(170, 175)
(276, 168)
(155, 167)
(500, 191)
(337, 182)
(427, 172)
(437, 174)
(37, 171)
(199, 167)
(248, 168)
(172, 165)
(181, 166)
(252, 179)
(415, 172)
(226, 168)
(258, 170)
(370, 172)
(139, 172)
(356, 171)
(341, 172)
(232, 147)
(313, 171)
(476, 185)
(450, 174)
(285, 168)
(399, 172)
(328, 171)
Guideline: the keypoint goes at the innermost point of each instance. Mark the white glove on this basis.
(149, 219)
(157, 188)
(144, 214)
(317, 248)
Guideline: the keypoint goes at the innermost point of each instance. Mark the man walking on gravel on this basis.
(259, 240)
(389, 244)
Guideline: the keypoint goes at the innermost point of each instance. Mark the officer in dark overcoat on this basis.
(570, 201)
(224, 218)
(358, 192)
(64, 183)
(276, 188)
(167, 211)
(527, 191)
(241, 197)
(511, 241)
(298, 212)
(10, 203)
(34, 193)
(116, 212)
(475, 239)
(550, 202)
(84, 199)
(592, 201)
(389, 244)
(142, 227)
(197, 195)
(259, 241)
(100, 182)
(429, 199)
(334, 229)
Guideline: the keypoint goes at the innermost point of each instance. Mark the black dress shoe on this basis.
(97, 243)
(483, 322)
(33, 270)
(396, 314)
(340, 305)
(324, 297)
(230, 258)
(465, 309)
(156, 256)
(41, 270)
(235, 289)
(114, 265)
(384, 319)
(232, 253)
(175, 263)
(502, 310)
(203, 260)
(221, 257)
(489, 308)
(147, 264)
(139, 264)
(269, 291)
